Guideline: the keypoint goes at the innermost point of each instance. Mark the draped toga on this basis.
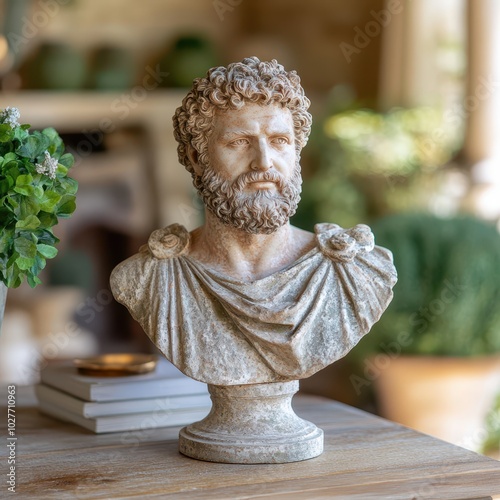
(285, 326)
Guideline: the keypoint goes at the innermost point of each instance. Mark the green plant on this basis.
(492, 441)
(372, 164)
(34, 192)
(399, 142)
(448, 291)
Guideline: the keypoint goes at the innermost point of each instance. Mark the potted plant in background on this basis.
(444, 319)
(35, 191)
(438, 368)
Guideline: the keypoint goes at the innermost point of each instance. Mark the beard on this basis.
(262, 212)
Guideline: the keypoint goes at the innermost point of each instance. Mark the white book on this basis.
(92, 409)
(129, 422)
(166, 380)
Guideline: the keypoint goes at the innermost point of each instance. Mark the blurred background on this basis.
(406, 106)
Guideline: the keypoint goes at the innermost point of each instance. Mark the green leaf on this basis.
(38, 192)
(47, 220)
(30, 148)
(24, 263)
(40, 263)
(20, 134)
(4, 186)
(23, 185)
(46, 236)
(55, 144)
(12, 201)
(31, 222)
(24, 180)
(33, 146)
(12, 276)
(6, 147)
(5, 132)
(33, 281)
(25, 248)
(25, 190)
(44, 143)
(51, 134)
(6, 219)
(10, 157)
(47, 251)
(67, 206)
(67, 160)
(50, 201)
(62, 171)
(69, 185)
(11, 169)
(12, 259)
(6, 237)
(11, 164)
(28, 206)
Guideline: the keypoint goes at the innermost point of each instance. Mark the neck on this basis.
(239, 254)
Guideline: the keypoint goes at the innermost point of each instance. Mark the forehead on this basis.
(253, 118)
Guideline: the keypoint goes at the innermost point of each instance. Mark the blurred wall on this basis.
(327, 41)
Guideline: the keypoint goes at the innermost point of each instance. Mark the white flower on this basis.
(10, 116)
(48, 166)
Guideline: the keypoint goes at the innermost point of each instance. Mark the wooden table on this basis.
(365, 458)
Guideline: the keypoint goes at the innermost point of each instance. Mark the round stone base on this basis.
(252, 424)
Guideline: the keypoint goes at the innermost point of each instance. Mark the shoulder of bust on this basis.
(171, 241)
(343, 245)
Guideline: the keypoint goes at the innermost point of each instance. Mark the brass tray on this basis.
(116, 365)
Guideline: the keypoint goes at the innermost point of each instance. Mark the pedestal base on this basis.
(252, 424)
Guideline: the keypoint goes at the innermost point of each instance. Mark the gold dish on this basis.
(116, 365)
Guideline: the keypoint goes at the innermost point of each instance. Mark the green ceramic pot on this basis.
(190, 57)
(57, 67)
(112, 69)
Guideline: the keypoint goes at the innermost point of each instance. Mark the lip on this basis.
(263, 184)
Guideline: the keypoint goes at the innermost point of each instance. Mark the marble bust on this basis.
(247, 298)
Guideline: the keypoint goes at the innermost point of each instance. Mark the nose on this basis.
(262, 159)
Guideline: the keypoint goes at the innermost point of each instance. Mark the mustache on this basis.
(267, 176)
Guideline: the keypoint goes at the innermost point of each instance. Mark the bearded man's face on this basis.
(262, 211)
(253, 180)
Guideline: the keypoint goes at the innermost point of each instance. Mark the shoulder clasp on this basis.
(343, 245)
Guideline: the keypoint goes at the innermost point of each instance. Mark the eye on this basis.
(280, 140)
(239, 142)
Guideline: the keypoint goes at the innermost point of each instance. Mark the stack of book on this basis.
(162, 398)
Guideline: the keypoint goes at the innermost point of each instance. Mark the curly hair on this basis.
(230, 88)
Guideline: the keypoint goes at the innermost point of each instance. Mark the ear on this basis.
(193, 158)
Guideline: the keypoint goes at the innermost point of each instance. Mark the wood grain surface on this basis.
(365, 458)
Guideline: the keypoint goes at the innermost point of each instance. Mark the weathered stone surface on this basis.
(251, 424)
(285, 326)
(247, 300)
